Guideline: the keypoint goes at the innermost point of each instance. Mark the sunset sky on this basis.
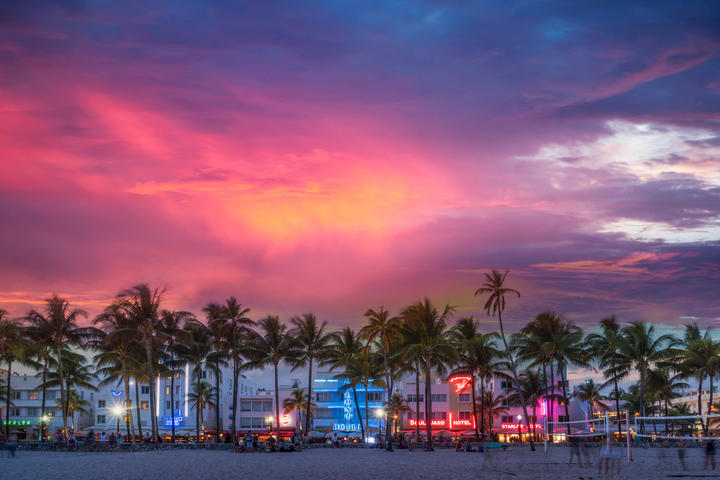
(335, 156)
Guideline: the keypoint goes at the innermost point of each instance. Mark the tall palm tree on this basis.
(494, 287)
(73, 404)
(40, 357)
(642, 351)
(233, 316)
(142, 306)
(495, 405)
(383, 327)
(58, 328)
(218, 357)
(271, 346)
(434, 349)
(201, 397)
(12, 343)
(666, 387)
(297, 402)
(700, 358)
(171, 328)
(312, 344)
(605, 347)
(345, 347)
(533, 388)
(550, 340)
(396, 408)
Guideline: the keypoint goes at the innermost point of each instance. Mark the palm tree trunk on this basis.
(137, 401)
(565, 399)
(367, 417)
(552, 397)
(428, 406)
(7, 400)
(617, 406)
(642, 400)
(197, 422)
(128, 410)
(43, 431)
(217, 401)
(709, 407)
(417, 402)
(482, 407)
(309, 399)
(357, 409)
(236, 377)
(62, 390)
(151, 378)
(534, 410)
(388, 390)
(699, 405)
(515, 376)
(277, 403)
(474, 409)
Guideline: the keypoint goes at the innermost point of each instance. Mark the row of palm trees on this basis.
(134, 340)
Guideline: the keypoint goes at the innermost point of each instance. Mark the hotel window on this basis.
(507, 419)
(245, 422)
(324, 413)
(101, 419)
(35, 395)
(323, 396)
(16, 395)
(464, 415)
(411, 398)
(145, 389)
(506, 384)
(101, 404)
(563, 418)
(438, 416)
(267, 406)
(375, 396)
(145, 405)
(168, 405)
(258, 422)
(245, 406)
(167, 390)
(177, 389)
(15, 412)
(177, 404)
(257, 406)
(464, 397)
(411, 415)
(438, 397)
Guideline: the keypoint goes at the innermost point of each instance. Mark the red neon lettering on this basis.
(515, 426)
(461, 383)
(434, 423)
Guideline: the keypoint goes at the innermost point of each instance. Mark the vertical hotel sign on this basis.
(348, 415)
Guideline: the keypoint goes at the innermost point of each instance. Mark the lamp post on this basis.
(44, 420)
(519, 418)
(117, 410)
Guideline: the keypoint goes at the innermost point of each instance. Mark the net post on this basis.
(627, 434)
(545, 434)
(607, 430)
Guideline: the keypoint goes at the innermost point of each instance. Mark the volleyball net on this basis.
(602, 429)
(677, 428)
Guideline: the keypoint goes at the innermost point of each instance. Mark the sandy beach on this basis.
(349, 463)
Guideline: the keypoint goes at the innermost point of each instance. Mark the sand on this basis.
(347, 463)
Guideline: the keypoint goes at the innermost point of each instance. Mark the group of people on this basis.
(251, 444)
(610, 455)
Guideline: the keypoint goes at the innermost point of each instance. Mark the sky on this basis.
(330, 157)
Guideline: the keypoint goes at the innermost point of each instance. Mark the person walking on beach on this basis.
(103, 437)
(710, 453)
(682, 451)
(574, 451)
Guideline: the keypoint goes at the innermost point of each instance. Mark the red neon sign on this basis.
(462, 423)
(515, 426)
(461, 382)
(433, 423)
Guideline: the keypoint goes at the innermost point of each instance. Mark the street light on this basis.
(269, 421)
(44, 420)
(519, 417)
(117, 410)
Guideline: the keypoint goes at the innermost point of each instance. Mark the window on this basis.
(257, 406)
(145, 405)
(506, 384)
(34, 395)
(375, 396)
(563, 418)
(267, 406)
(507, 419)
(323, 396)
(177, 389)
(177, 404)
(245, 406)
(258, 422)
(167, 390)
(145, 389)
(411, 416)
(101, 404)
(438, 397)
(168, 404)
(245, 422)
(15, 412)
(16, 395)
(438, 416)
(100, 419)
(420, 398)
(464, 397)
(324, 413)
(464, 415)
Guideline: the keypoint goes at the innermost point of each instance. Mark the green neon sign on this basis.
(17, 422)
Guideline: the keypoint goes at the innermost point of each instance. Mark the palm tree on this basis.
(171, 328)
(142, 306)
(201, 396)
(494, 407)
(217, 326)
(700, 358)
(312, 344)
(641, 352)
(298, 401)
(345, 348)
(550, 340)
(364, 370)
(434, 348)
(385, 328)
(533, 389)
(494, 287)
(590, 392)
(605, 346)
(396, 408)
(58, 328)
(12, 342)
(271, 346)
(233, 317)
(74, 404)
(665, 387)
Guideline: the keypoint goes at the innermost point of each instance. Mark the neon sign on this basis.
(168, 421)
(284, 420)
(116, 393)
(346, 427)
(461, 382)
(462, 423)
(515, 426)
(433, 423)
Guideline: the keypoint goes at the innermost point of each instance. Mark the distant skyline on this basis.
(336, 156)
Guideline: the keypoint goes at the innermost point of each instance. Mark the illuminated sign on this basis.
(284, 420)
(433, 423)
(16, 422)
(347, 406)
(462, 423)
(515, 426)
(346, 427)
(116, 393)
(461, 382)
(168, 421)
